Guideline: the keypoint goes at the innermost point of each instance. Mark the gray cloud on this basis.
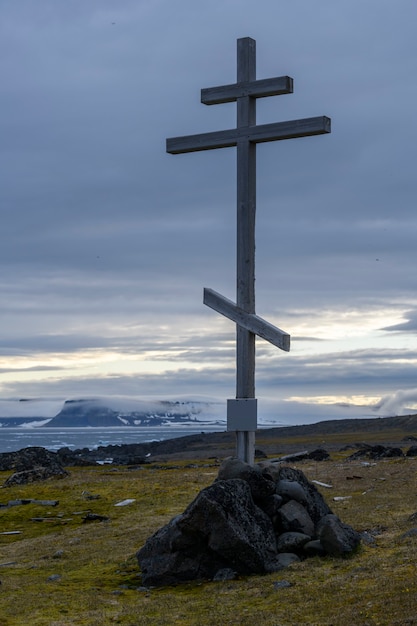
(106, 242)
(408, 326)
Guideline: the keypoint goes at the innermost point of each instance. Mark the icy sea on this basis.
(12, 439)
(288, 414)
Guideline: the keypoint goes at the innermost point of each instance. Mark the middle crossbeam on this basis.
(255, 134)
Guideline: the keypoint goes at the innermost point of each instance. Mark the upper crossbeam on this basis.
(255, 89)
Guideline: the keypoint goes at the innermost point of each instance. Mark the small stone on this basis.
(292, 541)
(282, 584)
(94, 517)
(368, 538)
(58, 554)
(283, 560)
(314, 548)
(54, 577)
(226, 573)
(410, 533)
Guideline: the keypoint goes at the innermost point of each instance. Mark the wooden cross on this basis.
(242, 412)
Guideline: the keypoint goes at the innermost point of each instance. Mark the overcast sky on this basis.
(106, 241)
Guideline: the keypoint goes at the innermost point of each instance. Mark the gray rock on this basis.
(291, 490)
(376, 452)
(54, 577)
(234, 526)
(368, 538)
(239, 525)
(271, 505)
(226, 573)
(409, 533)
(58, 554)
(319, 455)
(270, 470)
(282, 584)
(292, 542)
(338, 539)
(315, 503)
(166, 560)
(31, 465)
(283, 560)
(35, 475)
(221, 528)
(295, 518)
(94, 517)
(314, 548)
(261, 486)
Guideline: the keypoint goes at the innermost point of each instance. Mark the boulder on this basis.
(337, 539)
(221, 528)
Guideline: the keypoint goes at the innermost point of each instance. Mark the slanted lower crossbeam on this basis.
(251, 322)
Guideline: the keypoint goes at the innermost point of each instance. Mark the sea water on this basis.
(12, 439)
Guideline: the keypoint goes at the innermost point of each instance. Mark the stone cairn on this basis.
(251, 520)
(31, 465)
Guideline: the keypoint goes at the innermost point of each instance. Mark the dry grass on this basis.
(96, 580)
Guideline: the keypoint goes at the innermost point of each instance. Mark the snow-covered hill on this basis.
(110, 411)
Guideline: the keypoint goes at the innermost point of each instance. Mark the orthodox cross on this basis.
(242, 411)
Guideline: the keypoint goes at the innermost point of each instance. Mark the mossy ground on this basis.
(96, 580)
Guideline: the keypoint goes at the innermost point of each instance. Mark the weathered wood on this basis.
(245, 446)
(255, 89)
(262, 133)
(250, 321)
(245, 236)
(245, 136)
(320, 484)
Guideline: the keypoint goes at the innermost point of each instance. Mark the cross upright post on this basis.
(242, 412)
(245, 248)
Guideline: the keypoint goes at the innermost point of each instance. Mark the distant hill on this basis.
(96, 413)
(404, 423)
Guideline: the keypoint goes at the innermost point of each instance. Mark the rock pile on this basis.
(251, 520)
(30, 465)
(377, 452)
